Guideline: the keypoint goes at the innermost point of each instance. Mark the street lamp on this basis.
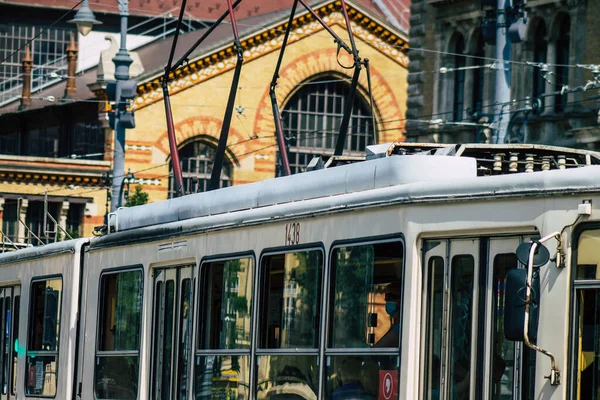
(122, 92)
(85, 19)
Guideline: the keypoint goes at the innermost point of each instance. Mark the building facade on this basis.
(312, 90)
(453, 66)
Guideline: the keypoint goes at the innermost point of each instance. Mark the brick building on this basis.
(62, 149)
(452, 106)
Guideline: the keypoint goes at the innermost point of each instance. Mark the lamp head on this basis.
(84, 19)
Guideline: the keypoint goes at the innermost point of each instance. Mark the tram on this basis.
(426, 271)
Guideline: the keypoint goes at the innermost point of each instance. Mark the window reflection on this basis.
(461, 298)
(42, 350)
(435, 295)
(362, 377)
(287, 377)
(291, 309)
(503, 351)
(366, 296)
(222, 377)
(116, 374)
(226, 307)
(227, 304)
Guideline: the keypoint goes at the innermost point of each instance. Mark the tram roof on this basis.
(386, 165)
(29, 253)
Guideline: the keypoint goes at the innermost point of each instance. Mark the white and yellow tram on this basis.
(380, 279)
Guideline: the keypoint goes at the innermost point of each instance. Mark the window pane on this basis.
(287, 377)
(434, 318)
(366, 297)
(588, 255)
(116, 377)
(222, 377)
(503, 351)
(185, 337)
(362, 377)
(45, 315)
(15, 349)
(4, 338)
(40, 379)
(120, 315)
(461, 298)
(588, 345)
(227, 304)
(291, 305)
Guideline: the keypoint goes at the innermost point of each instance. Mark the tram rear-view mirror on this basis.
(541, 254)
(514, 305)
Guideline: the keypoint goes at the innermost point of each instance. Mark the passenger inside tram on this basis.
(392, 307)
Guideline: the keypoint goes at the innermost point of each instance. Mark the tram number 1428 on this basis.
(292, 234)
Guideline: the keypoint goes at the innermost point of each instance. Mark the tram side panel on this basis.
(38, 303)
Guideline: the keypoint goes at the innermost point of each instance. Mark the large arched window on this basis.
(312, 118)
(540, 50)
(458, 103)
(562, 59)
(196, 159)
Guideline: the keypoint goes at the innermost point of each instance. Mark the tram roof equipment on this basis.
(385, 165)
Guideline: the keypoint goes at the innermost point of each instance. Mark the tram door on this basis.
(451, 269)
(172, 333)
(509, 368)
(9, 340)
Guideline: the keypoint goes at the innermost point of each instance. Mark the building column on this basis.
(550, 78)
(22, 205)
(62, 219)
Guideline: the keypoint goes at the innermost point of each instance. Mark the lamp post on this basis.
(122, 62)
(123, 90)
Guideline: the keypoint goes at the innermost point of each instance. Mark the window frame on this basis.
(257, 351)
(260, 301)
(34, 280)
(576, 285)
(118, 353)
(198, 350)
(395, 237)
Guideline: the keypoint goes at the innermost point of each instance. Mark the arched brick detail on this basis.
(323, 62)
(199, 126)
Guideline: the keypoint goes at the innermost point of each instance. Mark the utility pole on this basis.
(503, 54)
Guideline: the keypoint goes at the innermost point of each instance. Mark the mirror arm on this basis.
(554, 371)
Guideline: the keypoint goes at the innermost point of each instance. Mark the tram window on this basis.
(461, 298)
(588, 344)
(588, 255)
(227, 299)
(15, 341)
(366, 306)
(289, 325)
(586, 319)
(44, 330)
(5, 307)
(365, 316)
(503, 351)
(290, 312)
(226, 307)
(434, 318)
(117, 356)
(9, 341)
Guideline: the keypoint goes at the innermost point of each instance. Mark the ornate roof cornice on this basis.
(269, 39)
(42, 170)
